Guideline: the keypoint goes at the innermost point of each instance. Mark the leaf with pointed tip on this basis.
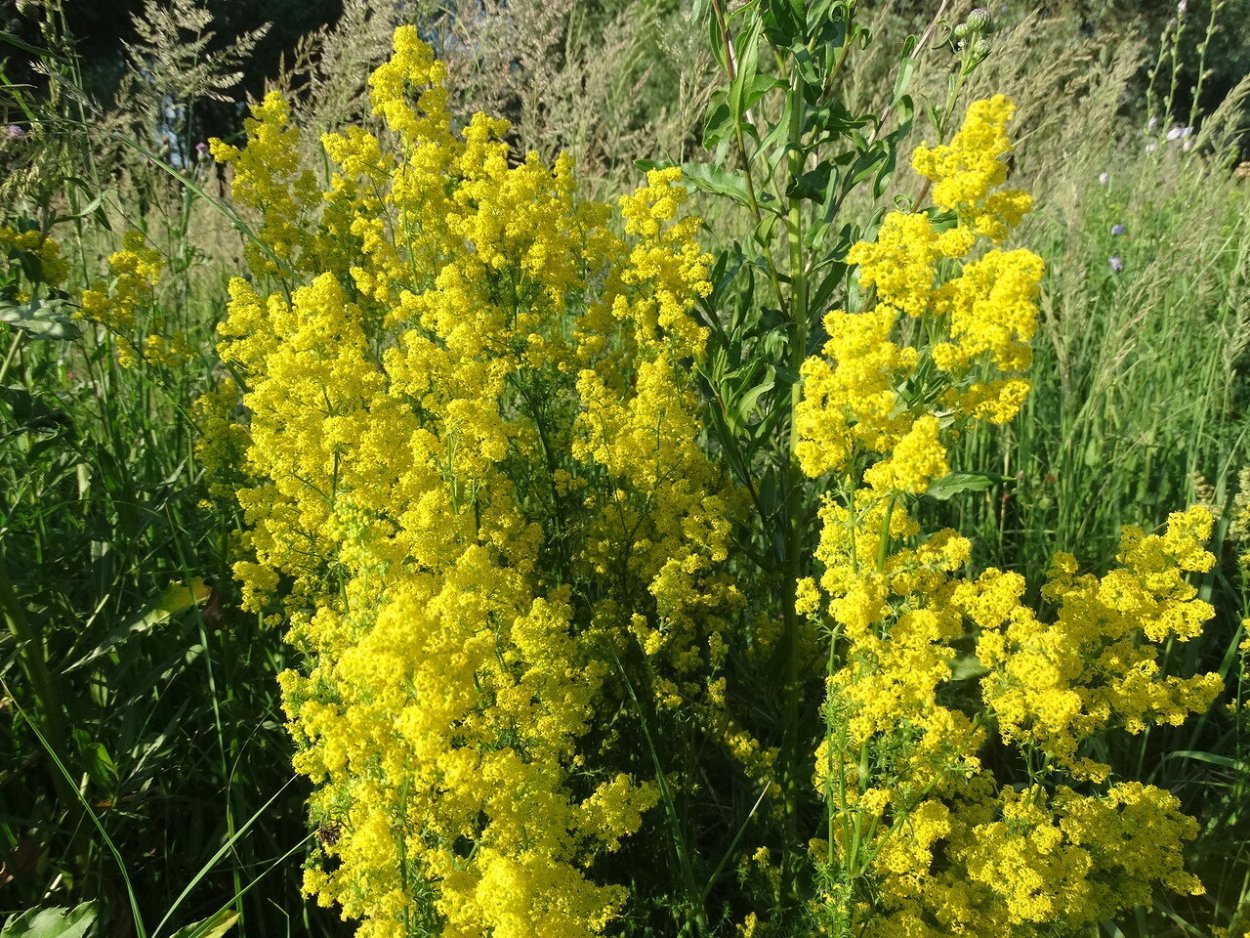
(51, 923)
(41, 319)
(956, 483)
(717, 181)
(215, 926)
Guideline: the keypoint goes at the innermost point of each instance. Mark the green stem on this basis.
(694, 895)
(18, 337)
(793, 477)
(32, 655)
(740, 143)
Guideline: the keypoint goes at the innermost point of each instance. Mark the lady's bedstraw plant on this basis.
(565, 678)
(477, 493)
(952, 750)
(923, 834)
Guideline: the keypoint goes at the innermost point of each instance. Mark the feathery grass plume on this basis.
(326, 80)
(609, 84)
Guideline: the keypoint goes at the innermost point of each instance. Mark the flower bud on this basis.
(981, 48)
(980, 20)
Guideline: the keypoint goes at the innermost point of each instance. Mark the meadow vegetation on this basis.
(634, 468)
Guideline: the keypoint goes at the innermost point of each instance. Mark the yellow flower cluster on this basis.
(52, 267)
(477, 498)
(114, 304)
(870, 395)
(269, 179)
(965, 171)
(1097, 666)
(927, 664)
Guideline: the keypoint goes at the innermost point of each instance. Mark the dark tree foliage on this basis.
(99, 29)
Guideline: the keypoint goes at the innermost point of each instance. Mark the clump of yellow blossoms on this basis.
(463, 427)
(46, 251)
(922, 839)
(124, 306)
(477, 498)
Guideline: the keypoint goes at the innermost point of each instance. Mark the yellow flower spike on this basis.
(950, 847)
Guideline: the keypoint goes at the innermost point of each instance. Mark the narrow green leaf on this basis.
(25, 46)
(716, 42)
(1212, 758)
(215, 926)
(906, 69)
(177, 597)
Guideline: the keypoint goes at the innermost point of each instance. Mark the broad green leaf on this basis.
(967, 666)
(813, 184)
(719, 124)
(784, 23)
(717, 181)
(956, 483)
(647, 165)
(834, 120)
(42, 319)
(51, 923)
(747, 402)
(30, 413)
(763, 234)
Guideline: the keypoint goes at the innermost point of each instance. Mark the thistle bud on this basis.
(980, 20)
(981, 48)
(960, 32)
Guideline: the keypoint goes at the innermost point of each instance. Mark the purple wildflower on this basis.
(1117, 230)
(1117, 265)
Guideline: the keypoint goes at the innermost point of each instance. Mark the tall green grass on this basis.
(143, 763)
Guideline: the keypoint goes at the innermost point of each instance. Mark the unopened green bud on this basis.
(980, 20)
(960, 32)
(981, 48)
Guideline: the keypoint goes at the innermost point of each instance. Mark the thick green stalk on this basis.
(792, 751)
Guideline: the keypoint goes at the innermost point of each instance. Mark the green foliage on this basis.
(140, 732)
(51, 923)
